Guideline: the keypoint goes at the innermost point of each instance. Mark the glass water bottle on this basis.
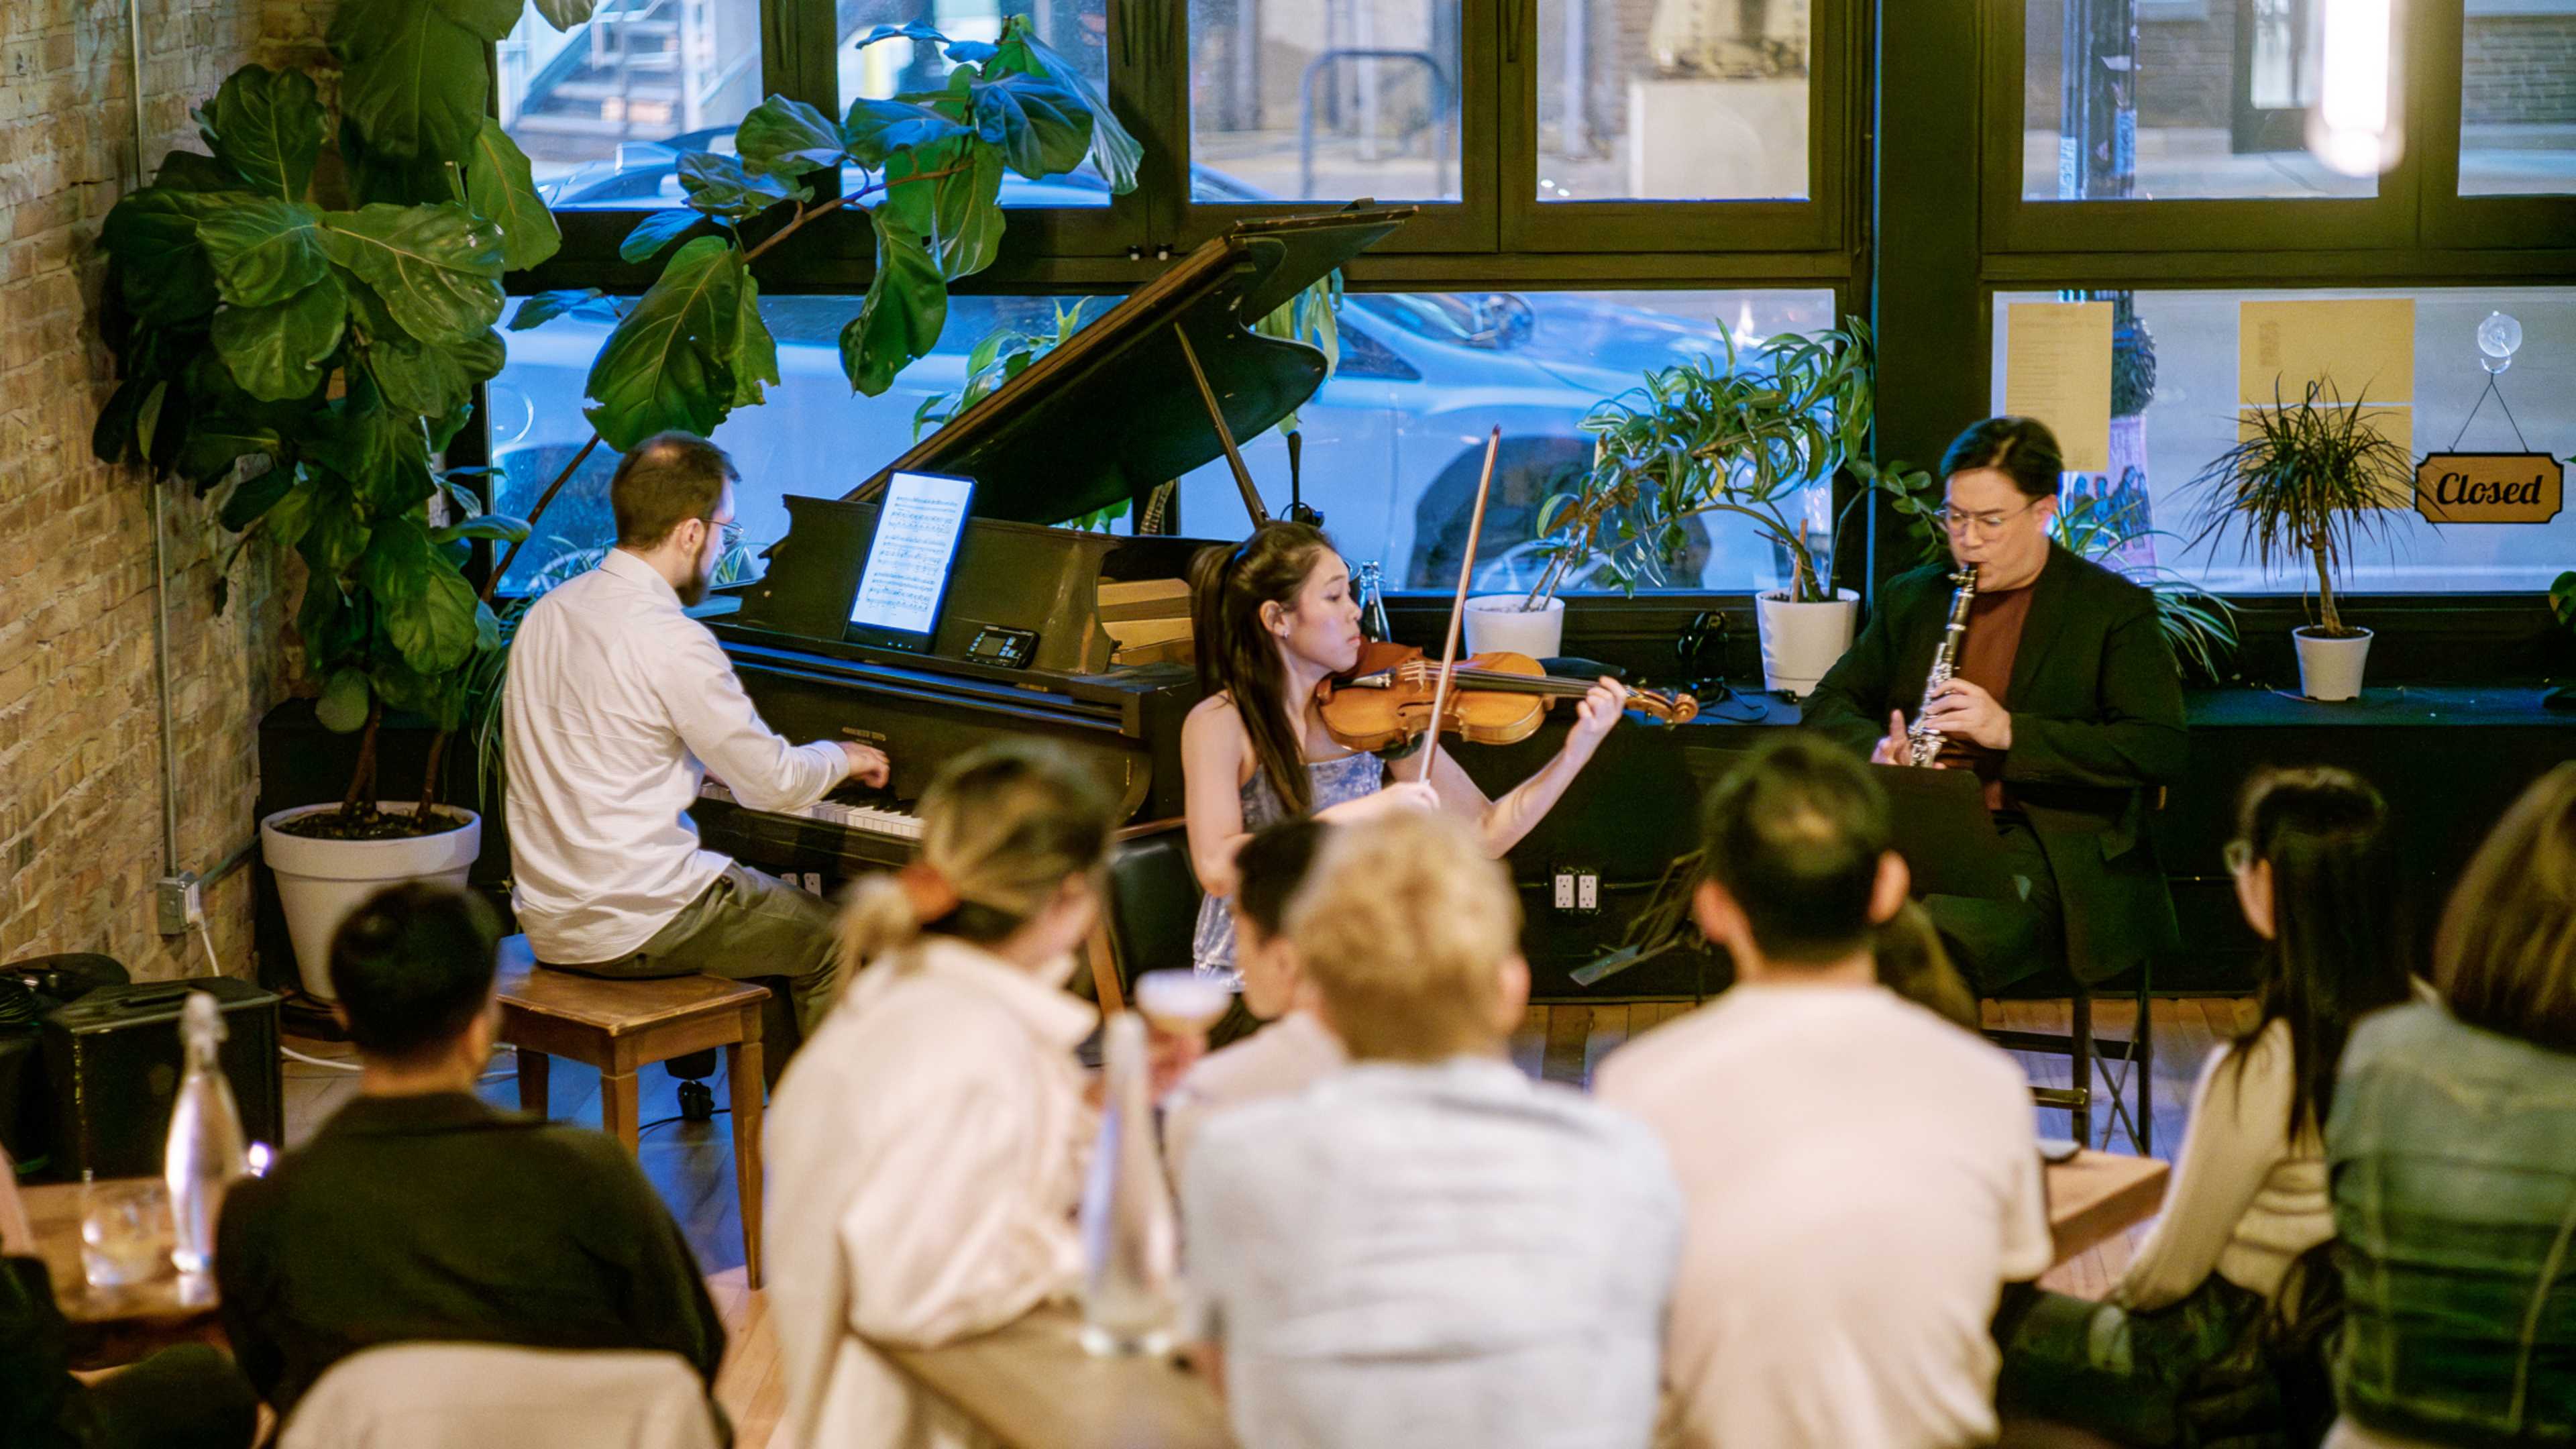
(1129, 1240)
(205, 1152)
(1372, 597)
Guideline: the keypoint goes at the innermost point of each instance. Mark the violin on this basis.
(1384, 702)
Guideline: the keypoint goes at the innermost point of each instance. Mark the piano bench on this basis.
(621, 1027)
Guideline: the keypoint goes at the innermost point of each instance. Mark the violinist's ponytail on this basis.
(1238, 656)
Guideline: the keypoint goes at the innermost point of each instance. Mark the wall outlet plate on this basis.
(180, 902)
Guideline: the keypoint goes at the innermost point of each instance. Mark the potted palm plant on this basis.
(2309, 483)
(1758, 437)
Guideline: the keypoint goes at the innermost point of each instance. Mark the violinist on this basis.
(1273, 618)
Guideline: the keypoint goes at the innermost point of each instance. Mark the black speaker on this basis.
(30, 987)
(114, 1057)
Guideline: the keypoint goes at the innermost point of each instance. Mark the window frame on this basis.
(2440, 36)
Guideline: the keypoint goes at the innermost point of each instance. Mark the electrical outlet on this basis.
(180, 901)
(1565, 890)
(1587, 892)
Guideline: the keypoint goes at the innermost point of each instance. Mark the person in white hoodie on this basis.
(926, 1152)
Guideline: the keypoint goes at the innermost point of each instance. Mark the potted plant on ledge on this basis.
(2309, 483)
(1761, 438)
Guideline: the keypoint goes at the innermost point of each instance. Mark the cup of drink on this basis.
(1181, 1003)
(125, 1232)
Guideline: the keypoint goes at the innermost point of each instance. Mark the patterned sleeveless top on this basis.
(1331, 782)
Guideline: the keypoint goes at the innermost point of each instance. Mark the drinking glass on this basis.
(125, 1233)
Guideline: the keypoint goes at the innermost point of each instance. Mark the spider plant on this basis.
(2309, 483)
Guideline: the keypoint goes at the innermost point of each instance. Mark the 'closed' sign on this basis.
(2489, 487)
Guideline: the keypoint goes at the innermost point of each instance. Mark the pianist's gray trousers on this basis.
(748, 926)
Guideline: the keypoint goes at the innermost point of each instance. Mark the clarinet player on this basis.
(2063, 699)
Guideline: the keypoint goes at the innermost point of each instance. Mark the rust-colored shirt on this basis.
(1986, 660)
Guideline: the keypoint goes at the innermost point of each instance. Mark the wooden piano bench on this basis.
(621, 1027)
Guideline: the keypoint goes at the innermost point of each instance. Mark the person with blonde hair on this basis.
(926, 1152)
(1426, 1248)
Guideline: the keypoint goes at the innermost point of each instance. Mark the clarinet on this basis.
(1924, 739)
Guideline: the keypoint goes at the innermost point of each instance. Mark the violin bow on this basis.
(1458, 605)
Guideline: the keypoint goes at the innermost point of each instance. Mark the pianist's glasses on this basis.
(730, 533)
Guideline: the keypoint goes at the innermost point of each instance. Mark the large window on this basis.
(605, 109)
(1673, 102)
(1325, 101)
(2179, 375)
(2518, 98)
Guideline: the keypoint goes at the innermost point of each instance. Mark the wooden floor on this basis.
(692, 1163)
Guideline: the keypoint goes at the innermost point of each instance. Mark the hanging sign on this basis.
(2489, 487)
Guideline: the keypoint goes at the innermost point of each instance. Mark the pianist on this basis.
(618, 704)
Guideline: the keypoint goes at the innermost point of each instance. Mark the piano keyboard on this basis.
(873, 820)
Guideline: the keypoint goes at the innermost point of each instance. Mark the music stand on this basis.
(1939, 817)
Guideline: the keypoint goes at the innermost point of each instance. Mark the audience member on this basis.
(1914, 964)
(419, 1212)
(2175, 1354)
(1861, 1176)
(1426, 1248)
(2452, 1149)
(1294, 1049)
(926, 1153)
(189, 1397)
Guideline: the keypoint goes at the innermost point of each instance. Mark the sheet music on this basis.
(916, 540)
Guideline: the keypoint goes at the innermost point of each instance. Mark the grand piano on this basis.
(1029, 642)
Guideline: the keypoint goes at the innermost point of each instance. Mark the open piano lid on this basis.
(1113, 412)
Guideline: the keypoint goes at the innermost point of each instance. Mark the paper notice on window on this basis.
(2360, 347)
(916, 540)
(2057, 368)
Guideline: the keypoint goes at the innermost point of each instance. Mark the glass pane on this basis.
(2518, 98)
(2175, 386)
(605, 109)
(813, 436)
(1324, 100)
(1682, 100)
(2197, 98)
(1078, 29)
(1395, 439)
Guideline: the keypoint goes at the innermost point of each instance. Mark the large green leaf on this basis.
(500, 187)
(376, 448)
(1042, 127)
(268, 126)
(161, 264)
(426, 606)
(721, 186)
(1115, 153)
(438, 268)
(380, 176)
(490, 526)
(254, 497)
(948, 194)
(875, 130)
(588, 303)
(433, 381)
(666, 366)
(195, 171)
(787, 138)
(491, 20)
(342, 708)
(906, 307)
(751, 354)
(336, 533)
(264, 251)
(412, 78)
(216, 443)
(655, 232)
(276, 352)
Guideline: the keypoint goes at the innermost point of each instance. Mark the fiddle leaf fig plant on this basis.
(308, 351)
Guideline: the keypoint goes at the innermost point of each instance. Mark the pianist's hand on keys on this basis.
(873, 819)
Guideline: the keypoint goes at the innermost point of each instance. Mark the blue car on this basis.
(1393, 441)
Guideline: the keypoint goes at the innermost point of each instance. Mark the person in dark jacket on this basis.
(2066, 703)
(418, 1212)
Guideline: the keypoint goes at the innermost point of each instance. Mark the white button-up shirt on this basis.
(617, 705)
(1433, 1256)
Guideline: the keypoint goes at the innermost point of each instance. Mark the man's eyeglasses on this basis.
(2239, 856)
(1981, 522)
(729, 533)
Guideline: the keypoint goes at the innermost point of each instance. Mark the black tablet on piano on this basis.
(905, 579)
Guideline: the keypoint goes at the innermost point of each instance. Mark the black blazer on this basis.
(2096, 704)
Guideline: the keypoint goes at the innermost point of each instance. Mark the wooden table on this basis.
(119, 1325)
(1031, 1386)
(2099, 1195)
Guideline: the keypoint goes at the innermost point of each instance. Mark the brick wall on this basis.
(2518, 70)
(80, 774)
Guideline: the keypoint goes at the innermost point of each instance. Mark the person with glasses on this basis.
(2176, 1353)
(2066, 703)
(618, 706)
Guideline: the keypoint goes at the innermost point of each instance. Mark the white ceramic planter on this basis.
(2331, 668)
(319, 882)
(1801, 641)
(1497, 624)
